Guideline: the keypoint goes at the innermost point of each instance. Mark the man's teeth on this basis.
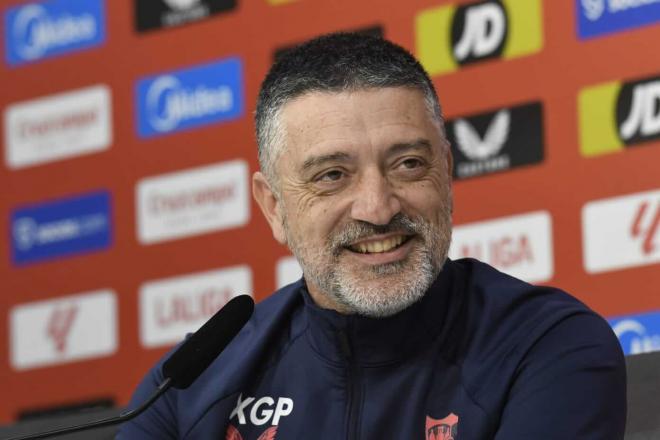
(380, 246)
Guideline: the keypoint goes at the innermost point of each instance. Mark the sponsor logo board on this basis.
(62, 330)
(51, 28)
(58, 127)
(173, 307)
(496, 141)
(288, 271)
(617, 115)
(154, 14)
(621, 232)
(189, 98)
(601, 17)
(451, 36)
(64, 227)
(191, 202)
(519, 245)
(638, 333)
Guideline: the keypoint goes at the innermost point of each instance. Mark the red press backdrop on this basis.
(86, 325)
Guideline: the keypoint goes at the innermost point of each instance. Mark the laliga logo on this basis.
(169, 103)
(485, 29)
(645, 227)
(36, 32)
(640, 342)
(59, 326)
(593, 9)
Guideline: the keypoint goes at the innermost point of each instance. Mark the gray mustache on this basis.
(358, 230)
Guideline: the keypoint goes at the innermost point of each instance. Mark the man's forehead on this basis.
(316, 113)
(334, 123)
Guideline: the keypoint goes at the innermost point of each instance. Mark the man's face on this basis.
(364, 197)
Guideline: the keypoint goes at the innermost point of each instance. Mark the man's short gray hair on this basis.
(333, 63)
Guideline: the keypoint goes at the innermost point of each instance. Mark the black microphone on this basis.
(185, 365)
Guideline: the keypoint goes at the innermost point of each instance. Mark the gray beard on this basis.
(358, 293)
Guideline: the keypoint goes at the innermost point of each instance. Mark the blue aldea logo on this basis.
(190, 98)
(42, 30)
(63, 227)
(599, 17)
(638, 333)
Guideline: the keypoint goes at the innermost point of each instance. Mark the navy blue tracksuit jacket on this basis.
(481, 356)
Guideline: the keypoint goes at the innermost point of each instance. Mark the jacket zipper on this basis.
(353, 380)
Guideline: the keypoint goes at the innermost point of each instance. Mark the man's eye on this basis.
(411, 163)
(330, 176)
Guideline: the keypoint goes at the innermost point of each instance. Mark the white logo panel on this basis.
(192, 202)
(621, 232)
(63, 330)
(173, 307)
(287, 271)
(58, 127)
(520, 245)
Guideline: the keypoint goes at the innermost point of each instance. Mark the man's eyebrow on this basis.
(315, 161)
(394, 149)
(401, 147)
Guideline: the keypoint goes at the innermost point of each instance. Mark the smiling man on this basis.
(384, 337)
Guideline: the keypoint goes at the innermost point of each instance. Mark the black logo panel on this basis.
(154, 14)
(479, 32)
(638, 111)
(497, 141)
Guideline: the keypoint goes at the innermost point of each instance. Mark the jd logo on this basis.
(261, 411)
(479, 32)
(616, 115)
(451, 36)
(643, 120)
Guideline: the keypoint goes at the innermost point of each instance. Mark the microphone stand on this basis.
(123, 417)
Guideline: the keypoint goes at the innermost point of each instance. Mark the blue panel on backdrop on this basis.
(599, 17)
(51, 28)
(62, 227)
(638, 333)
(189, 98)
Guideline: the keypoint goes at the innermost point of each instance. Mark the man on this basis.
(385, 338)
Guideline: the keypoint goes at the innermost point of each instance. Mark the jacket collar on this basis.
(376, 341)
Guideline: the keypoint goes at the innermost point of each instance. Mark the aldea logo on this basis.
(617, 115)
(598, 17)
(189, 98)
(638, 333)
(40, 30)
(449, 37)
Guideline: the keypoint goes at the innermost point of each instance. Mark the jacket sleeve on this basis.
(571, 384)
(159, 420)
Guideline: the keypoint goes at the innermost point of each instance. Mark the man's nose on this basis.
(375, 201)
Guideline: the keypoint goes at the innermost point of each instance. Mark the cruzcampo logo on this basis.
(616, 115)
(449, 37)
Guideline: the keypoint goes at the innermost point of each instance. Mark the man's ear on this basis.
(269, 204)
